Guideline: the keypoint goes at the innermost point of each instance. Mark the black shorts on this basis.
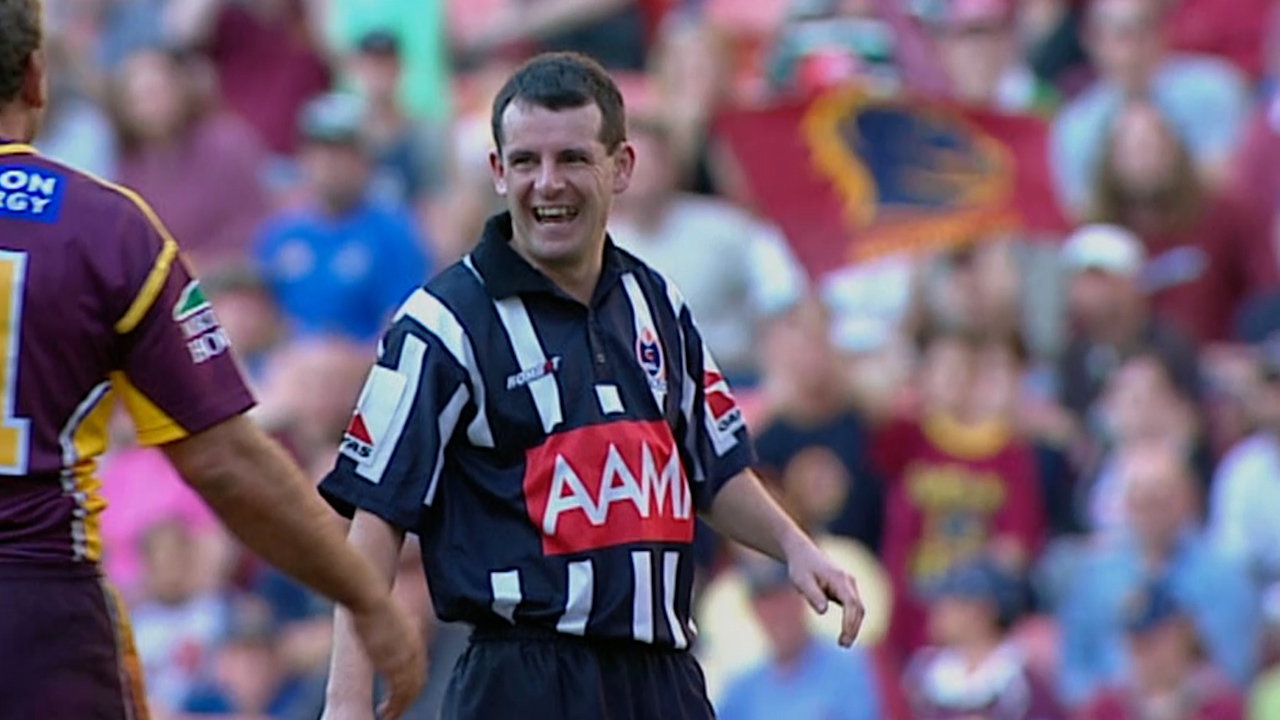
(531, 674)
(66, 650)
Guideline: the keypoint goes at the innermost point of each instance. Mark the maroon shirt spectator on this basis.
(201, 171)
(268, 64)
(1207, 251)
(1229, 29)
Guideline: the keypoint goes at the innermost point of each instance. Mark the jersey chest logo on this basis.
(608, 485)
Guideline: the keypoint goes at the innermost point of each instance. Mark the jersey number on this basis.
(15, 432)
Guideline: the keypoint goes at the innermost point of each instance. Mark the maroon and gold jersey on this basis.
(95, 307)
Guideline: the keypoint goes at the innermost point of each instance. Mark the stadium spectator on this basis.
(247, 675)
(411, 164)
(811, 409)
(341, 264)
(978, 45)
(1205, 99)
(1170, 679)
(733, 270)
(267, 55)
(1111, 320)
(177, 625)
(803, 678)
(1141, 404)
(1207, 252)
(1164, 544)
(202, 170)
(960, 483)
(973, 667)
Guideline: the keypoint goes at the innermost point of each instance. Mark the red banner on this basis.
(849, 177)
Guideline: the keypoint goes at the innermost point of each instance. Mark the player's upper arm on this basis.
(416, 396)
(173, 365)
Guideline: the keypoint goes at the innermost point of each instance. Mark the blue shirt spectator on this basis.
(1215, 592)
(342, 275)
(825, 682)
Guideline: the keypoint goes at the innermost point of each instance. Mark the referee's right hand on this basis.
(394, 646)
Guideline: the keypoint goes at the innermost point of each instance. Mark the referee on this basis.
(546, 418)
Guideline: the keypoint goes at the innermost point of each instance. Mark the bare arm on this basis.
(745, 512)
(265, 500)
(350, 688)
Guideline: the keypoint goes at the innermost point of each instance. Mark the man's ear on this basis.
(499, 172)
(625, 157)
(35, 91)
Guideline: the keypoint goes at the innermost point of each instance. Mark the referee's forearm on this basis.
(268, 504)
(350, 672)
(746, 513)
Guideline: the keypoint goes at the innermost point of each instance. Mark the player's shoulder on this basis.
(448, 304)
(108, 212)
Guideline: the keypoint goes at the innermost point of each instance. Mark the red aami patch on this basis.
(607, 485)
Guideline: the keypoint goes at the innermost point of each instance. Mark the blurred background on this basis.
(996, 283)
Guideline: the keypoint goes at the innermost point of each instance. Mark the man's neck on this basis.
(16, 125)
(578, 281)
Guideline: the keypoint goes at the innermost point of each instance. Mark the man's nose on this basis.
(550, 180)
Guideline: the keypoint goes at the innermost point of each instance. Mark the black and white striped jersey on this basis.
(550, 455)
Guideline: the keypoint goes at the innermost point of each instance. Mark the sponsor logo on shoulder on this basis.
(371, 422)
(205, 337)
(723, 409)
(30, 193)
(528, 375)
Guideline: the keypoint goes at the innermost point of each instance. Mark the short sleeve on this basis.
(393, 450)
(716, 441)
(175, 369)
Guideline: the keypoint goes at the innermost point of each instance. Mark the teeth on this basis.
(554, 212)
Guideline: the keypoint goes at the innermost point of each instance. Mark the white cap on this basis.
(1109, 248)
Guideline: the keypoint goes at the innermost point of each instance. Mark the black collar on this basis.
(507, 274)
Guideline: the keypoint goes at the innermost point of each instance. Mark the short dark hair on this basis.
(561, 81)
(20, 35)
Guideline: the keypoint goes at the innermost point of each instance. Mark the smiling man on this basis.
(545, 417)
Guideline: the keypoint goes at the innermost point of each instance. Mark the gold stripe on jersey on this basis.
(150, 289)
(17, 149)
(159, 271)
(154, 426)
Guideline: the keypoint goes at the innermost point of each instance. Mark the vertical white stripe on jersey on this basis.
(642, 601)
(427, 310)
(445, 424)
(689, 384)
(644, 323)
(670, 575)
(413, 352)
(529, 354)
(610, 400)
(506, 593)
(66, 441)
(577, 606)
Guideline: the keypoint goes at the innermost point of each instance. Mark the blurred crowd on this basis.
(1052, 463)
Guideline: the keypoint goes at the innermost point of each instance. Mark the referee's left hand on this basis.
(821, 581)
